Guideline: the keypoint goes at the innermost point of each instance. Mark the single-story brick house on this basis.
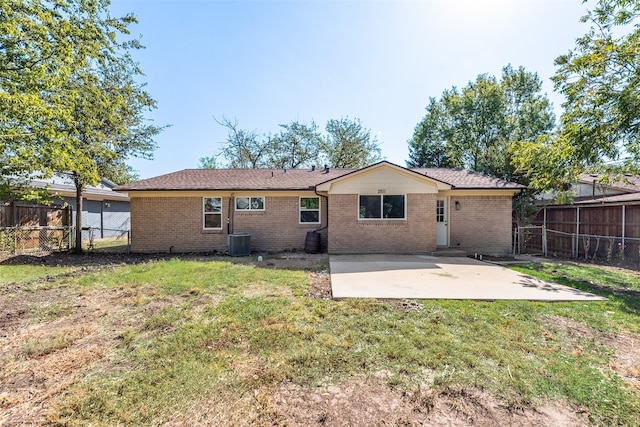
(382, 208)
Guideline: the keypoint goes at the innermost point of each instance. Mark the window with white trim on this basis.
(249, 203)
(309, 210)
(212, 213)
(382, 206)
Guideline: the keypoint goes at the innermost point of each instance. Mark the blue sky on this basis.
(267, 63)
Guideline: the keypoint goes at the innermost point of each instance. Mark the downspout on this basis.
(230, 216)
(326, 198)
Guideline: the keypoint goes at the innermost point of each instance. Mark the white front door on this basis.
(442, 219)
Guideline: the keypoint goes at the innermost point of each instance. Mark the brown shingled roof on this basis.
(294, 179)
(466, 179)
(235, 179)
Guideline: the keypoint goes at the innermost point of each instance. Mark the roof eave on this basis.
(307, 188)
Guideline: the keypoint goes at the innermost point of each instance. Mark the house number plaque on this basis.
(382, 190)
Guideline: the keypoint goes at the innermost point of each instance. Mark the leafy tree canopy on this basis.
(475, 127)
(70, 100)
(600, 79)
(209, 162)
(346, 144)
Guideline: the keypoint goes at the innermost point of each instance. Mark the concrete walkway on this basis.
(427, 277)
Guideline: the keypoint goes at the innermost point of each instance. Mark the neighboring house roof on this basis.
(622, 198)
(296, 179)
(588, 190)
(626, 184)
(62, 185)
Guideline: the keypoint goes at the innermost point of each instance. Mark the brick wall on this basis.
(161, 223)
(348, 234)
(483, 224)
(276, 228)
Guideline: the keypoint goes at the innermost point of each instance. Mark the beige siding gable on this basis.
(382, 180)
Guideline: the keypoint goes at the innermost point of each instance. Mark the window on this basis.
(309, 210)
(249, 203)
(212, 212)
(440, 210)
(381, 207)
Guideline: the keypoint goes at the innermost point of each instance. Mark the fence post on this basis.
(624, 221)
(544, 241)
(15, 240)
(14, 214)
(573, 245)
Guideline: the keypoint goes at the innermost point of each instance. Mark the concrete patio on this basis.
(428, 277)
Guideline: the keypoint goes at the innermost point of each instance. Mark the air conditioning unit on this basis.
(239, 244)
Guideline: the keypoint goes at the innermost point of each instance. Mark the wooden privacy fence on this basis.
(603, 220)
(603, 233)
(34, 228)
(26, 215)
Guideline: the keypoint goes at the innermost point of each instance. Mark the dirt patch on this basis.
(625, 360)
(369, 401)
(320, 285)
(51, 336)
(46, 351)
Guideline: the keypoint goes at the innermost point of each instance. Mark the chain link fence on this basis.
(22, 240)
(35, 239)
(612, 250)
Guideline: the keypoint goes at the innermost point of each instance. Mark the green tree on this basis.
(348, 144)
(243, 149)
(296, 145)
(107, 125)
(600, 79)
(42, 43)
(428, 147)
(476, 127)
(209, 162)
(69, 96)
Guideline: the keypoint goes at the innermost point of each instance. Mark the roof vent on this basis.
(326, 168)
(285, 170)
(313, 168)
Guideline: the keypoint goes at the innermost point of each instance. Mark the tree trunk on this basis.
(78, 248)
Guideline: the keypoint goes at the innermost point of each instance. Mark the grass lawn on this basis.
(202, 341)
(23, 274)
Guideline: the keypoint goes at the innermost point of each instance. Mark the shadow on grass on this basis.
(629, 297)
(97, 258)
